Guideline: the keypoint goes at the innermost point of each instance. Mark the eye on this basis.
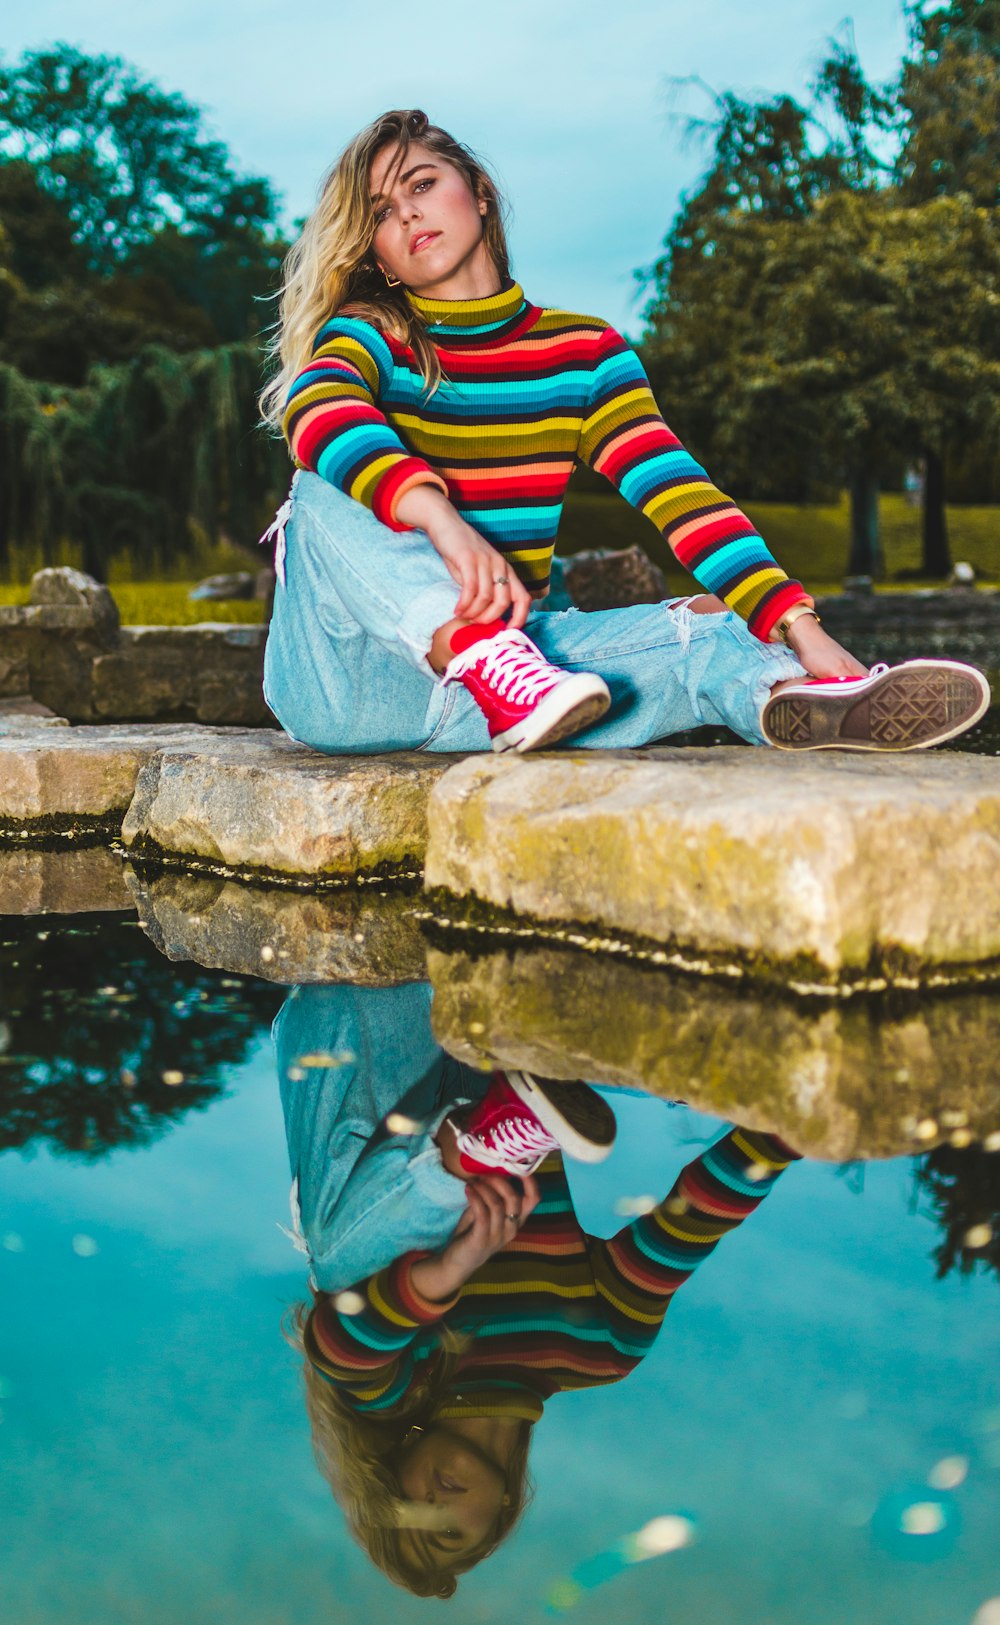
(380, 214)
(428, 181)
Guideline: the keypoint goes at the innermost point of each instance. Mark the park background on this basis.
(792, 214)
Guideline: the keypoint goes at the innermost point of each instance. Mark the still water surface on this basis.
(818, 1418)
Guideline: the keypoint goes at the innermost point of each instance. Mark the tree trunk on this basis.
(866, 547)
(936, 552)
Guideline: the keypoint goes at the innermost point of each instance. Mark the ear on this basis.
(483, 205)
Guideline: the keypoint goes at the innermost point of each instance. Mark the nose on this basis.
(408, 210)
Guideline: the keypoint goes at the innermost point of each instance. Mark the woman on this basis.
(435, 416)
(424, 1381)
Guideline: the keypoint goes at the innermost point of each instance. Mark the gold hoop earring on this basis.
(392, 281)
(505, 1501)
(412, 1433)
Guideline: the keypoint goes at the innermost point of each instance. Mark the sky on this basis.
(568, 100)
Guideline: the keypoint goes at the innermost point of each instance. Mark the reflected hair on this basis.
(331, 268)
(358, 1455)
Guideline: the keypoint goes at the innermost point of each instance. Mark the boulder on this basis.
(55, 777)
(68, 588)
(265, 806)
(238, 584)
(357, 934)
(821, 870)
(607, 579)
(853, 1078)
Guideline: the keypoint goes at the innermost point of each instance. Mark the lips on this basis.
(422, 239)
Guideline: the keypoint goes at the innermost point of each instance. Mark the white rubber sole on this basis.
(573, 704)
(912, 706)
(574, 1114)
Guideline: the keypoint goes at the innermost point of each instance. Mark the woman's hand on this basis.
(490, 587)
(489, 584)
(821, 655)
(497, 1209)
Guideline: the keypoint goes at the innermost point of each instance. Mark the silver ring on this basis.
(501, 581)
(512, 1218)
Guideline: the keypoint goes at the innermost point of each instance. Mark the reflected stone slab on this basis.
(268, 807)
(839, 1081)
(84, 881)
(355, 935)
(817, 869)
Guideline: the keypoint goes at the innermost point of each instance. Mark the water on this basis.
(818, 1419)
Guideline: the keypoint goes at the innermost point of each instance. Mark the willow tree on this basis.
(140, 460)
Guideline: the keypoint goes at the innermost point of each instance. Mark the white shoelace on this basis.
(511, 665)
(516, 1144)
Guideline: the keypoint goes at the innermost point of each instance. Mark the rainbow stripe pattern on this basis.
(527, 392)
(555, 1310)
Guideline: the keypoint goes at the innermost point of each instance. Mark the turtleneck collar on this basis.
(489, 318)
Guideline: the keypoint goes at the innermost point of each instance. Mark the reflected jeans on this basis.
(361, 1194)
(356, 606)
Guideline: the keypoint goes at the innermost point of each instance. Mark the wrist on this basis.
(794, 621)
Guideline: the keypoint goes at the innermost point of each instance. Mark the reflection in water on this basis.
(443, 1321)
(103, 1042)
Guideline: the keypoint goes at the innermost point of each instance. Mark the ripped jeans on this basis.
(356, 606)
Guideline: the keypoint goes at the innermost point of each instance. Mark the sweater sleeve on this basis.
(334, 425)
(638, 1270)
(360, 1340)
(625, 438)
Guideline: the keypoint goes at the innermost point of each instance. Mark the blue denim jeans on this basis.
(356, 606)
(363, 1195)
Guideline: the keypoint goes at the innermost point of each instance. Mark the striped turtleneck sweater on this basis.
(555, 1310)
(527, 391)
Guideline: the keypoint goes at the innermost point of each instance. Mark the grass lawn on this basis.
(809, 542)
(161, 603)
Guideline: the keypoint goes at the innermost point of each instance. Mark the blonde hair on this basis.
(331, 265)
(356, 1454)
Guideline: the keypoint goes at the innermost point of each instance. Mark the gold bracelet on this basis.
(782, 627)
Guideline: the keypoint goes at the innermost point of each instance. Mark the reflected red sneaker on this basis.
(522, 1118)
(527, 702)
(906, 707)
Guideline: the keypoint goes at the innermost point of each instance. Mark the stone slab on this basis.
(357, 935)
(85, 880)
(819, 869)
(51, 775)
(269, 807)
(849, 1079)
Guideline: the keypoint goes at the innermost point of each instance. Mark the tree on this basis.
(838, 339)
(964, 1191)
(949, 101)
(782, 162)
(124, 158)
(93, 1018)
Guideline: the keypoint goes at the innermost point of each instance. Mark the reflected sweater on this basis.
(555, 1310)
(527, 391)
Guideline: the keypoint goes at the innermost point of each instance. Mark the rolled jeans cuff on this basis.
(430, 609)
(778, 664)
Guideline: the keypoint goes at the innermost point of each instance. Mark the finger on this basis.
(520, 602)
(483, 597)
(469, 580)
(531, 1196)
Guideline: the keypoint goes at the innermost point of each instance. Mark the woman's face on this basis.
(448, 1473)
(428, 222)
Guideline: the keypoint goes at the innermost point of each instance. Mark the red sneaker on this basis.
(907, 707)
(522, 1118)
(527, 702)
